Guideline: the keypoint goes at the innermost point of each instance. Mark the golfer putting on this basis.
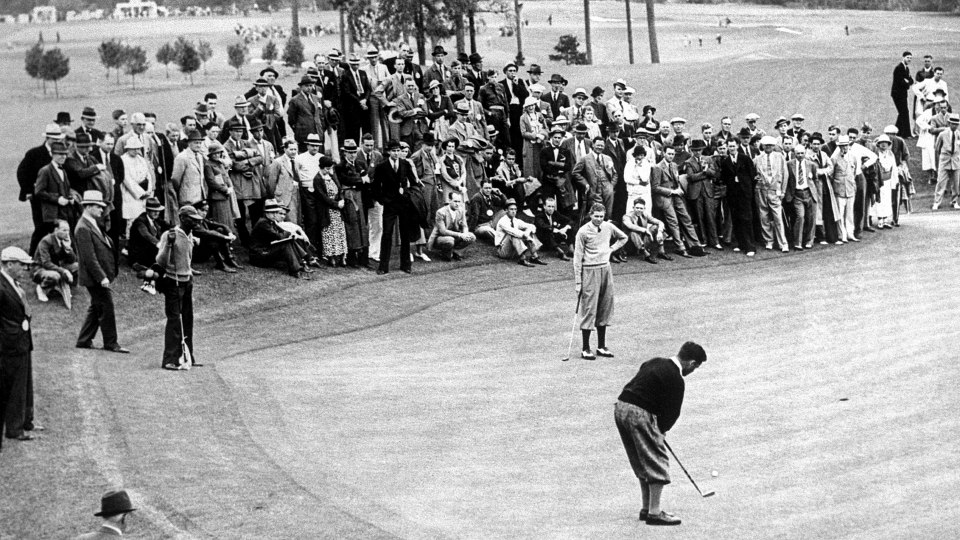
(647, 408)
(591, 269)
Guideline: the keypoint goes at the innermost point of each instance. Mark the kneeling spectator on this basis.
(271, 244)
(645, 231)
(215, 239)
(515, 237)
(57, 264)
(450, 230)
(553, 229)
(485, 210)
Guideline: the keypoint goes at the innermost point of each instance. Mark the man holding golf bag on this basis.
(647, 408)
(174, 258)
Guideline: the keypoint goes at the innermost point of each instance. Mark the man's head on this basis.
(59, 152)
(486, 187)
(597, 213)
(400, 64)
(106, 143)
(236, 132)
(313, 144)
(669, 153)
(598, 145)
(691, 356)
(549, 206)
(84, 143)
(367, 143)
(937, 73)
(62, 230)
(907, 57)
(726, 124)
(210, 99)
(707, 131)
(927, 61)
(120, 118)
(290, 148)
(395, 150)
(510, 156)
(93, 204)
(411, 86)
(639, 205)
(256, 129)
(511, 208)
(456, 200)
(88, 118)
(721, 149)
(468, 91)
(618, 88)
(510, 70)
(139, 123)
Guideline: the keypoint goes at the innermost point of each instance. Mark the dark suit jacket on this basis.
(264, 232)
(95, 253)
(901, 81)
(35, 159)
(543, 225)
(520, 91)
(481, 210)
(13, 338)
(664, 177)
(115, 198)
(53, 255)
(617, 150)
(791, 188)
(739, 176)
(555, 175)
(562, 102)
(253, 91)
(387, 184)
(48, 189)
(351, 97)
(144, 237)
(80, 171)
(302, 116)
(477, 79)
(411, 121)
(95, 134)
(699, 182)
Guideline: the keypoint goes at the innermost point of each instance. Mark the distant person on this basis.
(846, 29)
(719, 39)
(902, 81)
(114, 507)
(646, 409)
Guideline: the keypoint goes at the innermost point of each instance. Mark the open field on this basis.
(435, 405)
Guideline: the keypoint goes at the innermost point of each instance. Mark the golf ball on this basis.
(715, 474)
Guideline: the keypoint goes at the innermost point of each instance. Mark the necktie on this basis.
(512, 225)
(356, 75)
(296, 175)
(395, 164)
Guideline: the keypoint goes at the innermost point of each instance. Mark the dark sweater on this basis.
(658, 388)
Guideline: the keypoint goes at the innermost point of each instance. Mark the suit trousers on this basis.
(771, 217)
(648, 243)
(39, 231)
(903, 116)
(289, 253)
(253, 208)
(100, 316)
(946, 178)
(703, 212)
(741, 211)
(177, 306)
(845, 219)
(390, 220)
(724, 221)
(511, 246)
(804, 218)
(15, 375)
(310, 212)
(604, 196)
(375, 229)
(678, 224)
(861, 217)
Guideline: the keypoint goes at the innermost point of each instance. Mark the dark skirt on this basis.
(355, 219)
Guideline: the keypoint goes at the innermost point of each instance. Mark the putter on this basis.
(702, 494)
(573, 330)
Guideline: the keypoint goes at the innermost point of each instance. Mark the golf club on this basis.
(573, 329)
(702, 494)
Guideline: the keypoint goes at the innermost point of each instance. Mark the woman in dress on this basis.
(219, 187)
(138, 183)
(333, 231)
(452, 170)
(889, 176)
(636, 176)
(439, 111)
(533, 129)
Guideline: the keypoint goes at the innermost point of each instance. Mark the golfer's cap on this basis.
(797, 116)
(752, 117)
(891, 130)
(15, 254)
(677, 120)
(767, 139)
(843, 140)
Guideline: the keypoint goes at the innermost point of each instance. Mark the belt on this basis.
(597, 265)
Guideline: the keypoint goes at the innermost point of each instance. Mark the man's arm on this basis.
(578, 260)
(87, 255)
(621, 237)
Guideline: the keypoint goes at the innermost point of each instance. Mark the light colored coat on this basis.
(186, 185)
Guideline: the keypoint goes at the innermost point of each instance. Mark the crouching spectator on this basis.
(215, 239)
(56, 264)
(645, 231)
(450, 229)
(271, 244)
(553, 230)
(517, 238)
(485, 210)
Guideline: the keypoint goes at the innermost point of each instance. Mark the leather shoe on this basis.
(524, 262)
(650, 259)
(407, 270)
(665, 257)
(662, 518)
(381, 271)
(117, 349)
(196, 364)
(538, 260)
(456, 256)
(304, 275)
(604, 352)
(587, 355)
(686, 255)
(84, 345)
(25, 437)
(196, 272)
(33, 427)
(171, 367)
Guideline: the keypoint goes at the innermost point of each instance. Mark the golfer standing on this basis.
(591, 268)
(646, 409)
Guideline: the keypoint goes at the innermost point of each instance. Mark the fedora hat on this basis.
(353, 59)
(53, 131)
(429, 139)
(201, 108)
(492, 131)
(462, 107)
(372, 52)
(269, 69)
(954, 118)
(581, 128)
(535, 69)
(271, 205)
(114, 502)
(88, 112)
(215, 148)
(58, 148)
(621, 83)
(350, 145)
(255, 124)
(556, 78)
(194, 135)
(314, 139)
(63, 118)
(335, 54)
(580, 92)
(698, 144)
(261, 82)
(817, 136)
(475, 58)
(83, 139)
(92, 196)
(439, 51)
(154, 205)
(241, 102)
(530, 102)
(305, 80)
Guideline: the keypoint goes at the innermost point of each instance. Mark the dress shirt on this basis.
(307, 168)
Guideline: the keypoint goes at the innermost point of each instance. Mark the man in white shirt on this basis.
(925, 89)
(515, 237)
(308, 165)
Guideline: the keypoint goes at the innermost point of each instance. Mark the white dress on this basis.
(888, 175)
(926, 141)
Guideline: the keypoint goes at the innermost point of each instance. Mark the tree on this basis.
(111, 56)
(205, 51)
(166, 56)
(135, 63)
(237, 56)
(54, 65)
(586, 23)
(293, 53)
(188, 59)
(32, 63)
(269, 52)
(652, 33)
(568, 49)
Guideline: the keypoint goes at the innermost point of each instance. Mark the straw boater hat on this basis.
(349, 145)
(241, 102)
(798, 116)
(88, 112)
(373, 52)
(153, 205)
(271, 205)
(314, 139)
(53, 131)
(767, 140)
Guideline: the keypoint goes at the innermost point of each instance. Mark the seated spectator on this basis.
(553, 229)
(145, 234)
(56, 264)
(215, 240)
(517, 238)
(645, 231)
(271, 244)
(450, 229)
(485, 210)
(508, 178)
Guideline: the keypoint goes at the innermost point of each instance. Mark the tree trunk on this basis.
(458, 31)
(351, 32)
(343, 31)
(44, 86)
(586, 24)
(471, 17)
(652, 31)
(118, 75)
(295, 17)
(516, 11)
(56, 88)
(421, 34)
(191, 78)
(133, 81)
(166, 67)
(629, 31)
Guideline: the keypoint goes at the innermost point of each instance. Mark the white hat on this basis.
(561, 120)
(15, 254)
(578, 91)
(753, 116)
(891, 130)
(530, 101)
(767, 139)
(630, 90)
(92, 196)
(537, 87)
(799, 149)
(883, 138)
(843, 140)
(797, 116)
(133, 143)
(677, 119)
(53, 131)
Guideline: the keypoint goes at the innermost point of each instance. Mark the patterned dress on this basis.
(335, 234)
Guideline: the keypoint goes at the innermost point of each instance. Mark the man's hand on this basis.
(105, 283)
(67, 276)
(63, 201)
(578, 289)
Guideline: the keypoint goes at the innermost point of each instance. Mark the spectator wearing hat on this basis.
(145, 234)
(615, 147)
(354, 179)
(615, 103)
(98, 268)
(516, 93)
(451, 232)
(138, 184)
(56, 264)
(668, 197)
(110, 183)
(242, 118)
(63, 119)
(796, 129)
(556, 165)
(553, 230)
(463, 128)
(475, 73)
(114, 507)
(88, 119)
(537, 91)
(305, 113)
(81, 168)
(377, 75)
(438, 71)
(439, 111)
(267, 110)
(555, 97)
(517, 238)
(738, 175)
(271, 244)
(577, 107)
(245, 162)
(138, 124)
(700, 192)
(354, 100)
(53, 192)
(771, 181)
(533, 130)
(392, 180)
(947, 148)
(863, 150)
(174, 262)
(412, 109)
(636, 175)
(473, 111)
(282, 180)
(331, 79)
(215, 240)
(16, 377)
(221, 191)
(534, 72)
(827, 210)
(493, 98)
(596, 176)
(581, 143)
(187, 184)
(28, 170)
(846, 167)
(888, 173)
